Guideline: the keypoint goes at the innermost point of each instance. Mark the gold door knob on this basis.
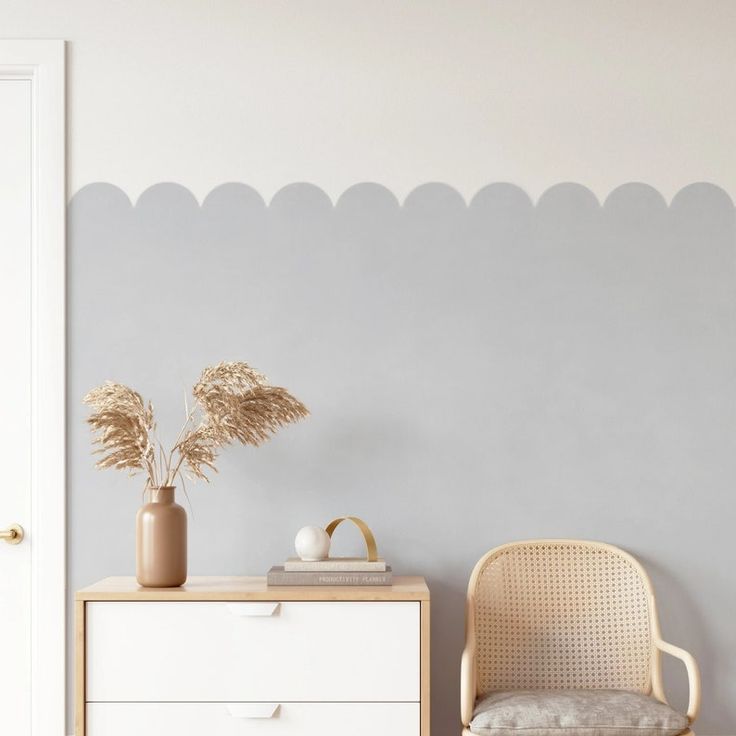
(13, 534)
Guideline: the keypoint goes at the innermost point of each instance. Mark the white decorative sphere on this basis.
(312, 543)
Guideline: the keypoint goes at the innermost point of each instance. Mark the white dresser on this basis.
(233, 657)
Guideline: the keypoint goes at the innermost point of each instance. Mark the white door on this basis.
(15, 415)
(32, 497)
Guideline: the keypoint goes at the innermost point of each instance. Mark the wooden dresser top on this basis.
(251, 588)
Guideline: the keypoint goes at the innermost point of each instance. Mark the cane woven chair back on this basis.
(559, 614)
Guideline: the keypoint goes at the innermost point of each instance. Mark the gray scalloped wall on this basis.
(476, 372)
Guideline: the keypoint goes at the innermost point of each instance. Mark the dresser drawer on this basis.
(261, 651)
(244, 719)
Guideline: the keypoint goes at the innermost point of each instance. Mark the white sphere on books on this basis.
(312, 543)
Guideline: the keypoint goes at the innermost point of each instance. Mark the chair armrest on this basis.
(467, 684)
(693, 674)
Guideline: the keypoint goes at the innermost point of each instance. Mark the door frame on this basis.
(43, 63)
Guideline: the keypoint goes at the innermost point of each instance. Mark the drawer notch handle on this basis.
(254, 608)
(253, 710)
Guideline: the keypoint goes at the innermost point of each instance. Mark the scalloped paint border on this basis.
(416, 197)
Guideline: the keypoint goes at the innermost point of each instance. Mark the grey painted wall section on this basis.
(477, 374)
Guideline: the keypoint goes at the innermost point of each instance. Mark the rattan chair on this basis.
(564, 615)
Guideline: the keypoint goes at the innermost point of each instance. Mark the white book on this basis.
(335, 564)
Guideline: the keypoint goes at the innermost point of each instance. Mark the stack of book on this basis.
(332, 571)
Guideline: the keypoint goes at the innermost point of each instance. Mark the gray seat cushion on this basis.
(574, 713)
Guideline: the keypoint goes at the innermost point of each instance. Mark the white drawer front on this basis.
(293, 651)
(235, 719)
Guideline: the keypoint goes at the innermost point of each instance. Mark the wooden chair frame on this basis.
(468, 670)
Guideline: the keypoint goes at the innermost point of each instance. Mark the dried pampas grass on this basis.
(123, 424)
(233, 403)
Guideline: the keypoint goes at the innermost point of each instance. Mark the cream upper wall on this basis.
(339, 91)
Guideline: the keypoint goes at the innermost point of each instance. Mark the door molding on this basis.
(43, 63)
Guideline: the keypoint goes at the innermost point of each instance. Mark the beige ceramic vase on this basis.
(161, 541)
